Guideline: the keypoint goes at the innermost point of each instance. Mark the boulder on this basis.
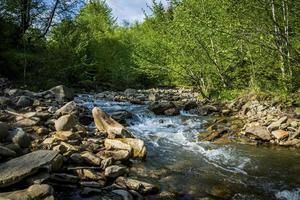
(280, 134)
(65, 123)
(36, 191)
(116, 155)
(17, 169)
(24, 101)
(3, 130)
(137, 145)
(61, 93)
(6, 152)
(68, 108)
(115, 171)
(121, 116)
(64, 178)
(260, 132)
(159, 108)
(171, 112)
(91, 158)
(114, 144)
(77, 158)
(139, 186)
(276, 125)
(20, 138)
(105, 123)
(87, 174)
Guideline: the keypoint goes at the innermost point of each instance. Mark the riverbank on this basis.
(48, 149)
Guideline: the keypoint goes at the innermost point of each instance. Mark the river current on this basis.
(180, 164)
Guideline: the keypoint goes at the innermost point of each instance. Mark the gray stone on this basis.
(61, 92)
(259, 131)
(17, 169)
(276, 125)
(3, 130)
(21, 138)
(114, 171)
(140, 186)
(69, 108)
(116, 155)
(91, 158)
(24, 101)
(65, 123)
(6, 152)
(33, 192)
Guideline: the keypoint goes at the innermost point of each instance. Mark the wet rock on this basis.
(6, 152)
(87, 174)
(64, 178)
(61, 92)
(121, 116)
(171, 112)
(67, 109)
(159, 108)
(124, 194)
(16, 169)
(21, 138)
(36, 191)
(23, 102)
(114, 144)
(3, 130)
(116, 155)
(137, 145)
(92, 184)
(280, 134)
(57, 163)
(40, 191)
(276, 125)
(65, 123)
(105, 123)
(66, 135)
(77, 158)
(260, 132)
(140, 186)
(91, 158)
(115, 171)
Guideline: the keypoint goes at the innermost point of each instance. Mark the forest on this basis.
(221, 47)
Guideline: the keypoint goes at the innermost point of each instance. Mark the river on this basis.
(179, 163)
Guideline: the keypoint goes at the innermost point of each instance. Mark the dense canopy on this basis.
(217, 46)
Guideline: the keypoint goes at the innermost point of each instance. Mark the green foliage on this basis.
(224, 48)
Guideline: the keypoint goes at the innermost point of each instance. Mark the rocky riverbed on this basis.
(46, 143)
(56, 147)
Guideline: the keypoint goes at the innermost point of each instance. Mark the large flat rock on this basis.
(16, 169)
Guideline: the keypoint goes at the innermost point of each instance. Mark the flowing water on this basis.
(179, 163)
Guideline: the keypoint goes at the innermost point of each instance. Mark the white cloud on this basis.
(130, 10)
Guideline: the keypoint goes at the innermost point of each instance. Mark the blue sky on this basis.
(130, 10)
